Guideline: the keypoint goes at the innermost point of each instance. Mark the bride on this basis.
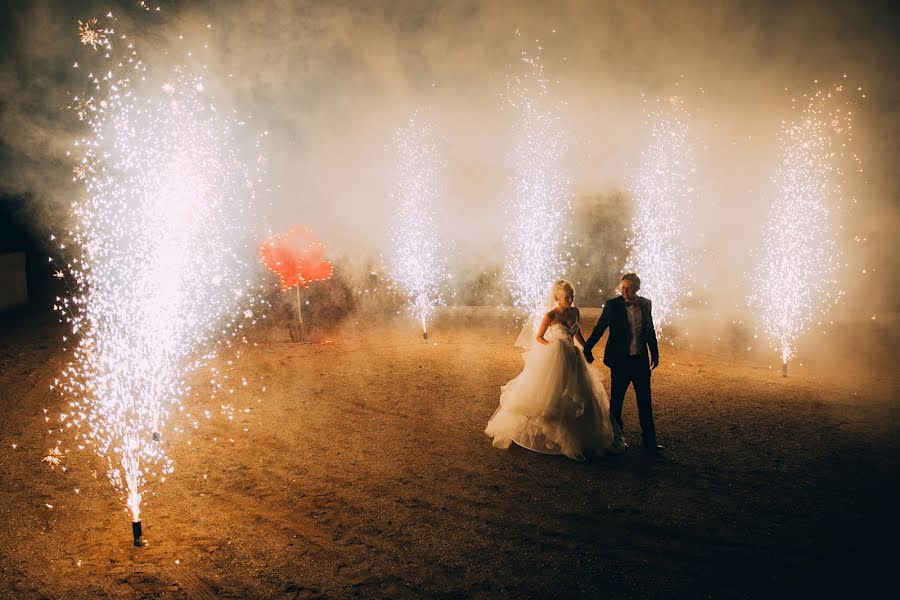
(557, 404)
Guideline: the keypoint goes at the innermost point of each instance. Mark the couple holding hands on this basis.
(558, 404)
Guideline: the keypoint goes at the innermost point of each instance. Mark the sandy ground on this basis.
(364, 472)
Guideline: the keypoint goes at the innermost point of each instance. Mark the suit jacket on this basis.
(615, 317)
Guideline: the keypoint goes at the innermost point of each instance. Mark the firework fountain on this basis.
(539, 210)
(664, 193)
(165, 254)
(795, 278)
(418, 261)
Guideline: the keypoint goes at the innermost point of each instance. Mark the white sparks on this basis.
(162, 227)
(418, 261)
(539, 208)
(93, 36)
(664, 193)
(53, 458)
(795, 278)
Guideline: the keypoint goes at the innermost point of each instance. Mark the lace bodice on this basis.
(560, 331)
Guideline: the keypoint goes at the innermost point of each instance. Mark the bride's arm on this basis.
(578, 337)
(543, 329)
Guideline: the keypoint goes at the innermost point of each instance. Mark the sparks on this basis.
(539, 209)
(165, 254)
(664, 193)
(91, 35)
(81, 171)
(418, 261)
(795, 282)
(53, 458)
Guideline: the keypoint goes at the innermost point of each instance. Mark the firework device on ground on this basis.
(138, 534)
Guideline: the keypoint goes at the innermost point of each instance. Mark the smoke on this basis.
(332, 81)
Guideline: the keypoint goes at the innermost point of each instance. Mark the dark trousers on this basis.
(633, 370)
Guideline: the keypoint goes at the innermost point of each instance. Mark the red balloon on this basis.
(297, 257)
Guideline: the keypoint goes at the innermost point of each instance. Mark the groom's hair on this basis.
(633, 278)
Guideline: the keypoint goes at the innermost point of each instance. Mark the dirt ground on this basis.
(364, 472)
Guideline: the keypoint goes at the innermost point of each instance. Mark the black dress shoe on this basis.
(654, 447)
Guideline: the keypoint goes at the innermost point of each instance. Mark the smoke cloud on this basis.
(332, 81)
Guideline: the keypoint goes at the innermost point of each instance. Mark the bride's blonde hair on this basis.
(561, 286)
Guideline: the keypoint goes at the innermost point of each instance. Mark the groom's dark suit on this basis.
(626, 368)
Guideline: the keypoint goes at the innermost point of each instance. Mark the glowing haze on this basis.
(332, 81)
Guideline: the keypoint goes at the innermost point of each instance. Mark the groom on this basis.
(631, 333)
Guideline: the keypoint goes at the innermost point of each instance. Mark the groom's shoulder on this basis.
(611, 303)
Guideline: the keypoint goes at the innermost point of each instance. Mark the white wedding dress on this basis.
(557, 404)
